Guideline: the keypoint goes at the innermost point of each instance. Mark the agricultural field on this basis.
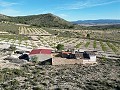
(106, 43)
(106, 35)
(32, 31)
(103, 48)
(11, 28)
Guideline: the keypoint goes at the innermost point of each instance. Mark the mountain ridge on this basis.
(41, 20)
(52, 21)
(98, 21)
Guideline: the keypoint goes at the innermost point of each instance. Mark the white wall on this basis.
(92, 58)
(41, 57)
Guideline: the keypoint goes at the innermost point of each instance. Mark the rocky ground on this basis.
(103, 76)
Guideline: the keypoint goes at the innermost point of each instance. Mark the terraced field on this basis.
(107, 44)
(9, 27)
(32, 31)
(103, 48)
(111, 35)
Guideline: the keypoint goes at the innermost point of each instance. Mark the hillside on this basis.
(103, 76)
(100, 27)
(4, 17)
(43, 20)
(51, 21)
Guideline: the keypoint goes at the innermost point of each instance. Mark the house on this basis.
(41, 54)
(77, 57)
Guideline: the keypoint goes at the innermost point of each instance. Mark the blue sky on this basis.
(70, 10)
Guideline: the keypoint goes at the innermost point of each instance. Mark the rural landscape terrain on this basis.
(48, 30)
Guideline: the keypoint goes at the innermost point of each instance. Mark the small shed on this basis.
(41, 54)
(90, 55)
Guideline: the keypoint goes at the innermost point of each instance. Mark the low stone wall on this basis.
(88, 62)
(63, 61)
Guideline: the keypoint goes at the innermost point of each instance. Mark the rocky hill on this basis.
(43, 20)
(52, 21)
(4, 17)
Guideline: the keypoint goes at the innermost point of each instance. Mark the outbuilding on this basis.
(41, 54)
(77, 57)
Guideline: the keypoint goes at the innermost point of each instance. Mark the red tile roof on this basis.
(66, 52)
(40, 51)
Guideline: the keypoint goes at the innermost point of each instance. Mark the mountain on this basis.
(98, 22)
(43, 20)
(52, 21)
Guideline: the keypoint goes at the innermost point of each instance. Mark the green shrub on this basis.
(34, 59)
(37, 88)
(60, 47)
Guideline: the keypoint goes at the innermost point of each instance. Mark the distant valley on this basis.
(97, 22)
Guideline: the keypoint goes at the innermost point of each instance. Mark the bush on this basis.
(60, 47)
(18, 72)
(37, 88)
(34, 59)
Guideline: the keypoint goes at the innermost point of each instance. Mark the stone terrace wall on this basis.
(63, 61)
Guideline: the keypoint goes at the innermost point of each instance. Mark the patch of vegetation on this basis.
(51, 31)
(43, 20)
(94, 44)
(87, 44)
(78, 45)
(103, 46)
(66, 34)
(112, 47)
(38, 77)
(14, 37)
(8, 74)
(9, 27)
(60, 47)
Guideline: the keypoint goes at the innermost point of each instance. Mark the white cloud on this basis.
(7, 8)
(86, 4)
(7, 4)
(11, 12)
